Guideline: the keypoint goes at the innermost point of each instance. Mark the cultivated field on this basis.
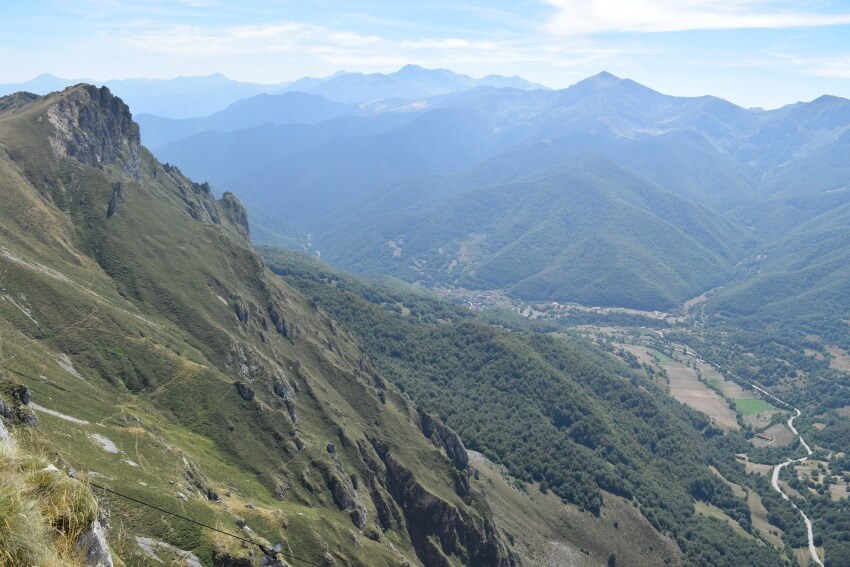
(685, 387)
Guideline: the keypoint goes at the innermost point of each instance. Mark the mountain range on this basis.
(200, 96)
(731, 181)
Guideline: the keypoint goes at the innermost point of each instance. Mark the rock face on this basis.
(241, 310)
(4, 434)
(436, 528)
(235, 212)
(246, 391)
(92, 546)
(117, 199)
(15, 100)
(17, 410)
(442, 436)
(94, 127)
(284, 389)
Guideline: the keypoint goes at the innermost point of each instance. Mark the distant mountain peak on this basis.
(412, 70)
(51, 76)
(605, 75)
(600, 80)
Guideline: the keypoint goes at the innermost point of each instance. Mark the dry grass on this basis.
(782, 436)
(685, 387)
(758, 514)
(840, 359)
(42, 511)
(548, 532)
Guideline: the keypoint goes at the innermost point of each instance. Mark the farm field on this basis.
(686, 387)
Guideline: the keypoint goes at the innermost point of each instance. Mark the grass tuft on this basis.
(42, 511)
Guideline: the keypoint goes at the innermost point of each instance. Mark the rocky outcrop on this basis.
(233, 210)
(4, 434)
(437, 529)
(242, 312)
(284, 390)
(93, 548)
(342, 489)
(15, 409)
(16, 100)
(195, 480)
(442, 436)
(280, 324)
(117, 199)
(245, 390)
(94, 127)
(200, 203)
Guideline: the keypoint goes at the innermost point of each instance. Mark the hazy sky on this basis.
(753, 52)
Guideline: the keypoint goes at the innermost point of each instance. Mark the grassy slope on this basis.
(143, 305)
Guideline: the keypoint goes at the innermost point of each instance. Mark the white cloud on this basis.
(349, 49)
(827, 67)
(587, 17)
(280, 37)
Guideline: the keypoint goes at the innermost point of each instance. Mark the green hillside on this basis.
(561, 415)
(591, 233)
(799, 283)
(163, 361)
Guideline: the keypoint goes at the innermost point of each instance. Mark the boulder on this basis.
(283, 388)
(93, 548)
(245, 390)
(358, 517)
(21, 395)
(26, 417)
(242, 312)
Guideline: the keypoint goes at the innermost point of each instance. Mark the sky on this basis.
(753, 52)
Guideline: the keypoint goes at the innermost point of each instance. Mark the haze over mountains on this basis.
(193, 97)
(430, 187)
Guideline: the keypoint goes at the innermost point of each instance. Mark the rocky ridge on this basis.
(183, 322)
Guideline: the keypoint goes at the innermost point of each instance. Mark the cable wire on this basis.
(264, 549)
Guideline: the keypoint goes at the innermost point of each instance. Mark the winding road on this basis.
(774, 481)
